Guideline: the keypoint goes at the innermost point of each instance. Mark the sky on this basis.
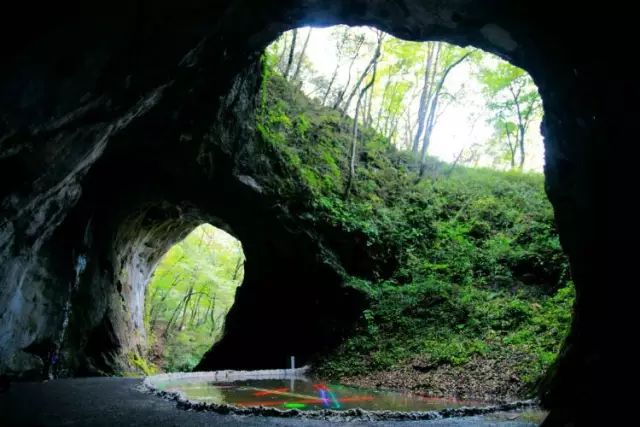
(460, 124)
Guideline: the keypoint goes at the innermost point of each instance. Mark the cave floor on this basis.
(118, 401)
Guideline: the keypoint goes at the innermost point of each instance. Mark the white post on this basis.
(292, 380)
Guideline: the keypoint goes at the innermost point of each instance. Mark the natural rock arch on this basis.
(96, 101)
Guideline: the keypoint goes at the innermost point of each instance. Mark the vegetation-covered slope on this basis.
(462, 268)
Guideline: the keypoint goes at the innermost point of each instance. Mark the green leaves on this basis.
(191, 291)
(514, 102)
(464, 242)
(498, 77)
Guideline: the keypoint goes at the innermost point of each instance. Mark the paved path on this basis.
(118, 402)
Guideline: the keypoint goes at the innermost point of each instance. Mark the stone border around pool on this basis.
(325, 414)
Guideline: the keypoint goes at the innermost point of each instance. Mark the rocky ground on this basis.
(481, 378)
(118, 401)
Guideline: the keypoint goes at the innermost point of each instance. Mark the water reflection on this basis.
(304, 395)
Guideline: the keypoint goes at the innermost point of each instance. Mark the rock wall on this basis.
(124, 124)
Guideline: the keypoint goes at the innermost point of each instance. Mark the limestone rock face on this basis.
(125, 124)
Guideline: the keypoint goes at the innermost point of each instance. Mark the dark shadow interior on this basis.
(122, 123)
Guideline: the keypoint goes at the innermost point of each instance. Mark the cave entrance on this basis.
(425, 160)
(88, 124)
(191, 290)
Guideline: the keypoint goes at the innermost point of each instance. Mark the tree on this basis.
(397, 69)
(281, 54)
(440, 60)
(341, 35)
(432, 110)
(352, 46)
(301, 57)
(354, 140)
(514, 102)
(292, 50)
(410, 92)
(433, 52)
(372, 63)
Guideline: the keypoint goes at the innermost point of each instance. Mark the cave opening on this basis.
(92, 107)
(189, 295)
(430, 155)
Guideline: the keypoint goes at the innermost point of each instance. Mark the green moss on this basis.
(140, 365)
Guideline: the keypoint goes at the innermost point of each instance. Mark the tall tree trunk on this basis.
(521, 146)
(521, 123)
(512, 146)
(408, 131)
(394, 128)
(387, 120)
(368, 117)
(410, 124)
(424, 97)
(333, 79)
(196, 309)
(292, 50)
(374, 60)
(167, 328)
(213, 312)
(385, 91)
(184, 310)
(364, 109)
(432, 112)
(296, 74)
(339, 47)
(206, 314)
(341, 93)
(354, 142)
(282, 60)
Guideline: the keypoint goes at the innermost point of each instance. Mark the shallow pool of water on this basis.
(303, 394)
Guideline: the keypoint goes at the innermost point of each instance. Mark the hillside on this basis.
(468, 290)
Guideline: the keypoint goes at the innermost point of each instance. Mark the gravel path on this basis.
(118, 402)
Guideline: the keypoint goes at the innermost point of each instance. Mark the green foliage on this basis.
(512, 98)
(465, 263)
(189, 295)
(448, 324)
(141, 365)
